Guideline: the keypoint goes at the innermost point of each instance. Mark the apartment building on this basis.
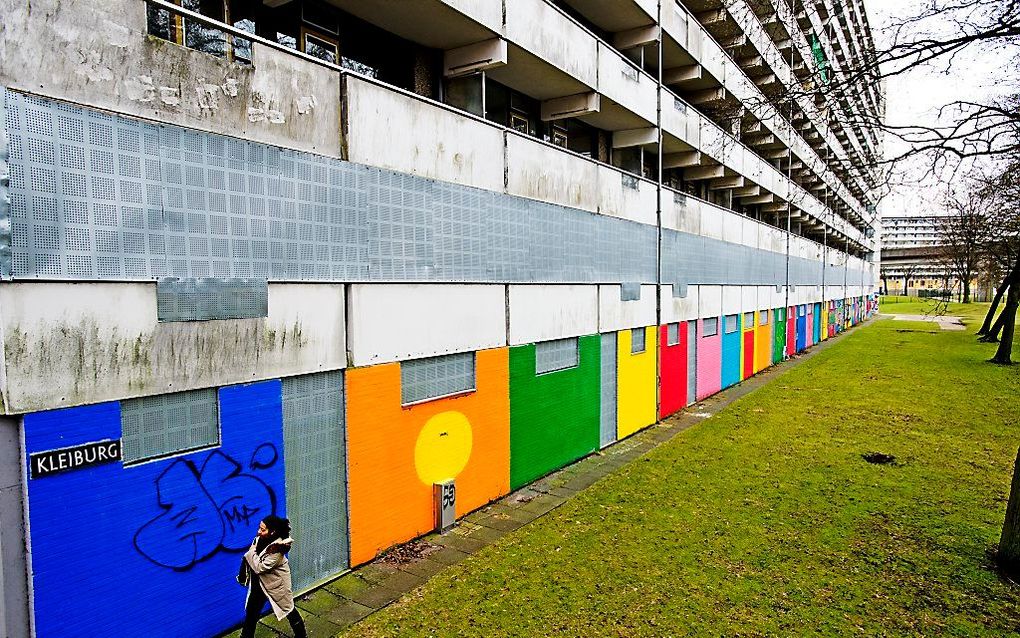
(318, 257)
(910, 231)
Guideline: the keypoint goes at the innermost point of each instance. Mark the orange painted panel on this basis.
(395, 452)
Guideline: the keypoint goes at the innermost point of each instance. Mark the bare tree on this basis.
(963, 236)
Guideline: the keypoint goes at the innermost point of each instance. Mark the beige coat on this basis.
(273, 576)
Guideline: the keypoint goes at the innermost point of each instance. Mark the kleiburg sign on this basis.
(72, 458)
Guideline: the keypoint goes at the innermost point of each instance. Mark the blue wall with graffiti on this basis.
(163, 538)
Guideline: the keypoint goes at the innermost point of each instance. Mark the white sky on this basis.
(915, 97)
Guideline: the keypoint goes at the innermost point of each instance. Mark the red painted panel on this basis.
(672, 372)
(748, 370)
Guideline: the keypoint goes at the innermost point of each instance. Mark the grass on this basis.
(766, 520)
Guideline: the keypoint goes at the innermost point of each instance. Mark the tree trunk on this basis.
(1008, 555)
(966, 291)
(1003, 355)
(987, 324)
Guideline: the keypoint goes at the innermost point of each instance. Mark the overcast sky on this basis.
(916, 97)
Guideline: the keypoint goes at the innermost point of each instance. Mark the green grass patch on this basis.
(766, 520)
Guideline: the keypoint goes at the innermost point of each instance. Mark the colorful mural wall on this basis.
(179, 523)
(672, 368)
(554, 416)
(163, 537)
(396, 453)
(636, 382)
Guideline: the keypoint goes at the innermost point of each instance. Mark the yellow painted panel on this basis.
(763, 345)
(635, 379)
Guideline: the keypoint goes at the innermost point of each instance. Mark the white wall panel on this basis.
(543, 312)
(395, 322)
(731, 300)
(394, 131)
(678, 308)
(748, 298)
(615, 314)
(710, 301)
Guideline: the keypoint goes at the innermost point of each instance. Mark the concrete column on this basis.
(14, 615)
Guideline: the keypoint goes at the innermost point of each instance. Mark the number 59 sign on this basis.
(446, 505)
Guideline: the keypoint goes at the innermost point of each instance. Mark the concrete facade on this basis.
(407, 237)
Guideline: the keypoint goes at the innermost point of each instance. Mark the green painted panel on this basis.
(554, 417)
(778, 334)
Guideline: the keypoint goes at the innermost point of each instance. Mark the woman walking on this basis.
(267, 575)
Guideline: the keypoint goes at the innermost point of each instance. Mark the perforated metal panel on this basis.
(630, 291)
(607, 418)
(165, 424)
(637, 340)
(558, 354)
(433, 377)
(5, 193)
(692, 362)
(101, 197)
(730, 324)
(203, 299)
(710, 327)
(672, 334)
(314, 435)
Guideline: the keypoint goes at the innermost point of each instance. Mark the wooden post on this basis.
(1009, 544)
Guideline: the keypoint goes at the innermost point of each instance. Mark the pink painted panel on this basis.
(709, 360)
(810, 339)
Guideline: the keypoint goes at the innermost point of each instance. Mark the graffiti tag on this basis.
(206, 509)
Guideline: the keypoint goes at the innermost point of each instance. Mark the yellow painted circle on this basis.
(443, 447)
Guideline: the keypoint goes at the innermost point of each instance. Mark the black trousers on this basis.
(253, 611)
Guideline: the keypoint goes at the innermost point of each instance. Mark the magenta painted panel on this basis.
(791, 330)
(709, 360)
(810, 338)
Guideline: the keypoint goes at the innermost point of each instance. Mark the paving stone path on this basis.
(351, 597)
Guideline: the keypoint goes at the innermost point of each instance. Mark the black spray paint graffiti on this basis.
(206, 510)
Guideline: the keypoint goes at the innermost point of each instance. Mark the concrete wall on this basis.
(622, 82)
(538, 27)
(615, 314)
(77, 343)
(97, 53)
(540, 313)
(393, 322)
(393, 130)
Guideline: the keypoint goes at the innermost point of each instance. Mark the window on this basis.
(435, 377)
(709, 327)
(558, 354)
(673, 334)
(168, 424)
(730, 324)
(748, 319)
(763, 318)
(637, 340)
(800, 311)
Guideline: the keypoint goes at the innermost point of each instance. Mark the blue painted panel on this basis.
(817, 322)
(111, 554)
(801, 328)
(731, 354)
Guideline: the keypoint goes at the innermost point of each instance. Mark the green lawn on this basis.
(765, 519)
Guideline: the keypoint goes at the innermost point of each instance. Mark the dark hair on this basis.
(277, 526)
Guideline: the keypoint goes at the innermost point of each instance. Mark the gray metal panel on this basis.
(314, 439)
(95, 196)
(630, 291)
(607, 424)
(210, 298)
(637, 340)
(14, 610)
(692, 361)
(433, 377)
(5, 180)
(672, 334)
(558, 354)
(167, 424)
